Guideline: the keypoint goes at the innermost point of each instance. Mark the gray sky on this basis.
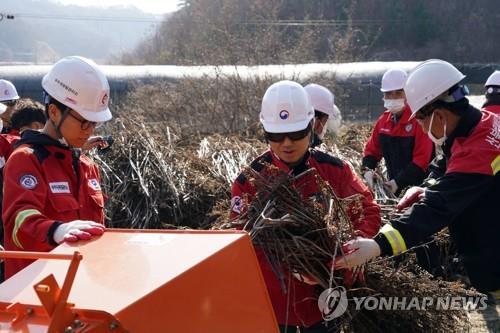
(149, 6)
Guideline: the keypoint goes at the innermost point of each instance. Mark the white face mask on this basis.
(394, 105)
(431, 136)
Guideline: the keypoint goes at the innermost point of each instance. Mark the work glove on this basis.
(368, 176)
(307, 279)
(414, 194)
(77, 230)
(391, 185)
(359, 251)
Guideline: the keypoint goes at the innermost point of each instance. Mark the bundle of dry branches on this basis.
(303, 235)
(299, 233)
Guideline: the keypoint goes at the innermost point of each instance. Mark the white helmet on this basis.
(428, 81)
(335, 122)
(286, 108)
(493, 80)
(79, 84)
(321, 98)
(8, 91)
(393, 79)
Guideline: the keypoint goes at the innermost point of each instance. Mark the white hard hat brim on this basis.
(97, 117)
(9, 99)
(3, 107)
(285, 128)
(391, 89)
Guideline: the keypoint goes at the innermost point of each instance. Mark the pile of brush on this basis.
(303, 235)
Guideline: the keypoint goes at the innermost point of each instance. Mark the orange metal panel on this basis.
(159, 281)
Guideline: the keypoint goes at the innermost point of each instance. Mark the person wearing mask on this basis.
(288, 120)
(52, 191)
(325, 112)
(492, 93)
(465, 197)
(8, 100)
(398, 139)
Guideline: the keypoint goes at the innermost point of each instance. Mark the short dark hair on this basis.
(51, 100)
(26, 112)
(458, 107)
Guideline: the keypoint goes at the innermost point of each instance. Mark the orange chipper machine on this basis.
(140, 281)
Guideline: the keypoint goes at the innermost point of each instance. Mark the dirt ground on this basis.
(486, 321)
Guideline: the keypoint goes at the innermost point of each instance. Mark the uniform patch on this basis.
(236, 204)
(94, 184)
(29, 182)
(59, 187)
(2, 161)
(408, 128)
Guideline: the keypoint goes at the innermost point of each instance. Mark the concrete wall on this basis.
(356, 84)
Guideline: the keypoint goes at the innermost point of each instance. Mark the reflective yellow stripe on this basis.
(495, 165)
(394, 237)
(20, 218)
(496, 294)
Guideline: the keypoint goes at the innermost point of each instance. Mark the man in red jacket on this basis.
(406, 150)
(8, 100)
(287, 117)
(464, 195)
(52, 192)
(27, 115)
(492, 94)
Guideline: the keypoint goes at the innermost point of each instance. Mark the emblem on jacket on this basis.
(94, 184)
(236, 204)
(29, 182)
(408, 128)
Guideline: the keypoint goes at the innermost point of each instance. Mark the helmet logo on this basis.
(71, 100)
(284, 114)
(6, 92)
(104, 99)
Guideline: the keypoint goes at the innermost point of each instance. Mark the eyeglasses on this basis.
(294, 136)
(10, 103)
(84, 124)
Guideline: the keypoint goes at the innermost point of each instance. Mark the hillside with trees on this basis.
(44, 31)
(301, 31)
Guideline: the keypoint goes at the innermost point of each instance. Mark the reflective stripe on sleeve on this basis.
(20, 218)
(495, 165)
(394, 238)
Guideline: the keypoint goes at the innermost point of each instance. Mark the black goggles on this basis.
(294, 136)
(10, 103)
(319, 114)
